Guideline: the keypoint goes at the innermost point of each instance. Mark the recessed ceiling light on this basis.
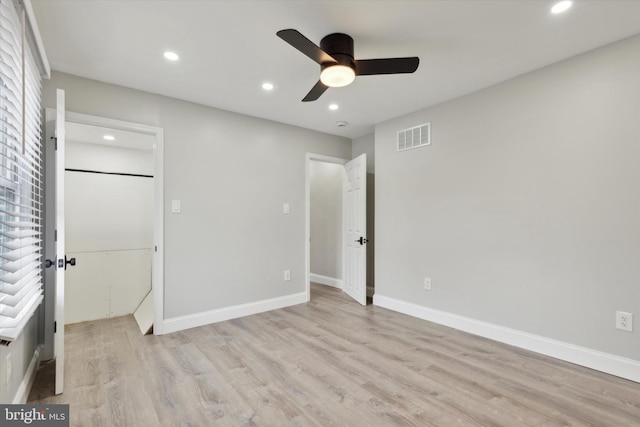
(267, 86)
(333, 107)
(561, 6)
(171, 56)
(109, 137)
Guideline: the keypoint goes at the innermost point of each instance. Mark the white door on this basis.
(60, 261)
(354, 202)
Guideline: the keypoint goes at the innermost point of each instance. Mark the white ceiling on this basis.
(228, 48)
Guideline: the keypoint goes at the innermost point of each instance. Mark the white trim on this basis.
(22, 394)
(600, 361)
(227, 313)
(158, 201)
(45, 72)
(325, 280)
(59, 209)
(307, 211)
(88, 119)
(158, 233)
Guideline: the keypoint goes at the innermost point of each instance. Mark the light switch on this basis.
(175, 206)
(285, 208)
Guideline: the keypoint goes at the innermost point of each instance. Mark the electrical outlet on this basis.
(427, 283)
(624, 321)
(287, 275)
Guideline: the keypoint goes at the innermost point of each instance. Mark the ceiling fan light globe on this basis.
(337, 76)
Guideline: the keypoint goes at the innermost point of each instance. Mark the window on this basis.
(21, 179)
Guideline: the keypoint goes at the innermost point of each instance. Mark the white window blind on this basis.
(21, 177)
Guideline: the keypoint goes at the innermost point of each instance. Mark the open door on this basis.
(55, 253)
(354, 202)
(61, 264)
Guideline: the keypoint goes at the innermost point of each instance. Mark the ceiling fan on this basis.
(337, 66)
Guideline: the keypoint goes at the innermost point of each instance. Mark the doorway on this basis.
(342, 258)
(108, 221)
(157, 255)
(325, 264)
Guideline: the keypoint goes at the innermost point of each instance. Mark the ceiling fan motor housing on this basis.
(340, 47)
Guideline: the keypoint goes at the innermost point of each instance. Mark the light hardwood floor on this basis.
(330, 362)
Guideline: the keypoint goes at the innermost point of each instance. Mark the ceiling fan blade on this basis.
(368, 67)
(304, 45)
(315, 92)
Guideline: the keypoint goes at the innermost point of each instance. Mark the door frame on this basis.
(158, 212)
(307, 203)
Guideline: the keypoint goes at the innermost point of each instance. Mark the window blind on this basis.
(21, 180)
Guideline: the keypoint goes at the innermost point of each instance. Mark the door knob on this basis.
(362, 240)
(62, 263)
(71, 261)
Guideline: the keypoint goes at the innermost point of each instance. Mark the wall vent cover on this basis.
(417, 136)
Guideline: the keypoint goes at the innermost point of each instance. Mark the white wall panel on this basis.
(131, 281)
(87, 288)
(106, 284)
(108, 212)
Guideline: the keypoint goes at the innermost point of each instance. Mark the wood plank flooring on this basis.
(330, 362)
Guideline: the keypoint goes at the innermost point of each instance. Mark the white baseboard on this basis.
(227, 313)
(22, 394)
(600, 361)
(324, 280)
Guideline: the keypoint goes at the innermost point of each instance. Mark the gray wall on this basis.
(365, 145)
(524, 210)
(231, 243)
(326, 219)
(20, 354)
